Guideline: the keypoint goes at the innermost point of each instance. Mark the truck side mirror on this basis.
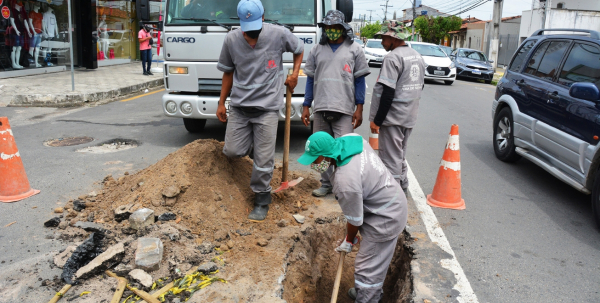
(585, 91)
(346, 7)
(143, 9)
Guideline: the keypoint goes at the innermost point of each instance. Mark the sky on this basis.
(483, 12)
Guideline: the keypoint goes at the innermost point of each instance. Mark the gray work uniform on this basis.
(404, 70)
(373, 201)
(333, 89)
(258, 78)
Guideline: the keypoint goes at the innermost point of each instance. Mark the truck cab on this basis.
(193, 35)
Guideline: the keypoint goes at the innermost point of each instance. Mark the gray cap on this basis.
(334, 17)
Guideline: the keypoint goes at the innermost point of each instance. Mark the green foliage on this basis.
(370, 30)
(434, 29)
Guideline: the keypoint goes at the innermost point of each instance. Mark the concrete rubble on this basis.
(61, 259)
(149, 253)
(112, 256)
(141, 218)
(142, 277)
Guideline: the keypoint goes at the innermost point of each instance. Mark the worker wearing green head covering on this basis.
(372, 201)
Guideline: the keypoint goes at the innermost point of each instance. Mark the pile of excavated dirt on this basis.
(209, 194)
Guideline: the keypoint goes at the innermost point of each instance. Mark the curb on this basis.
(78, 99)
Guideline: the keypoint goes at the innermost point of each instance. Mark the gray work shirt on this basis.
(404, 70)
(334, 74)
(370, 197)
(258, 74)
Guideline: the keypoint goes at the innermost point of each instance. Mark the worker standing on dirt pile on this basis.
(395, 100)
(251, 62)
(371, 201)
(336, 70)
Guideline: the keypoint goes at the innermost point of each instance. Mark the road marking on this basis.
(144, 95)
(437, 236)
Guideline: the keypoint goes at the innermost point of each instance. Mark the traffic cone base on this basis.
(25, 195)
(460, 205)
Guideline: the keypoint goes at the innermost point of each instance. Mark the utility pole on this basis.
(386, 7)
(496, 30)
(414, 13)
(547, 8)
(370, 14)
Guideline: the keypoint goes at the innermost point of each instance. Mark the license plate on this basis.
(439, 72)
(379, 59)
(476, 72)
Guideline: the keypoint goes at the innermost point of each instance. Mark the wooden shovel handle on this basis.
(338, 278)
(120, 289)
(286, 136)
(60, 294)
(142, 294)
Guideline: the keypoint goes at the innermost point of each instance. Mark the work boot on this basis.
(261, 207)
(322, 191)
(352, 293)
(150, 73)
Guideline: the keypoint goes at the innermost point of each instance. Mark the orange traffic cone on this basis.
(446, 191)
(374, 141)
(14, 185)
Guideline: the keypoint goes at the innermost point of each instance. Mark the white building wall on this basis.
(558, 18)
(586, 5)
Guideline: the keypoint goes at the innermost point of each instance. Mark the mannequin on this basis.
(35, 23)
(18, 20)
(49, 31)
(103, 34)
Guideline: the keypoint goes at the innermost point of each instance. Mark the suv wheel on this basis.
(194, 125)
(504, 142)
(596, 199)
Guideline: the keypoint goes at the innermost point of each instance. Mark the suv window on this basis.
(535, 60)
(517, 63)
(582, 65)
(549, 66)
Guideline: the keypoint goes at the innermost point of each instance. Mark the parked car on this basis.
(439, 65)
(547, 105)
(447, 49)
(360, 42)
(471, 63)
(374, 51)
(120, 42)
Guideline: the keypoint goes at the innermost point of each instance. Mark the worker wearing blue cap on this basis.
(252, 66)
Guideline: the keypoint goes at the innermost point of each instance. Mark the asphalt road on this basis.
(525, 236)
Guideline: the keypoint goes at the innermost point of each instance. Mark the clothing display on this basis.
(36, 20)
(50, 24)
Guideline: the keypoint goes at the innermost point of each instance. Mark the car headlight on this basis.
(186, 108)
(171, 107)
(452, 65)
(178, 70)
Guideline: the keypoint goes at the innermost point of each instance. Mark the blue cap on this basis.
(250, 13)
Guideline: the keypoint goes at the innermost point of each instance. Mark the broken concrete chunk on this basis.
(61, 259)
(90, 227)
(168, 216)
(54, 222)
(299, 218)
(171, 191)
(78, 205)
(123, 212)
(142, 277)
(141, 218)
(149, 253)
(93, 194)
(122, 269)
(243, 232)
(205, 248)
(262, 242)
(282, 223)
(112, 256)
(170, 232)
(207, 268)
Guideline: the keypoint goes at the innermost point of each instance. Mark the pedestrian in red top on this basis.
(144, 36)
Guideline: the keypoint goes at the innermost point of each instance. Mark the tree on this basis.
(434, 29)
(370, 30)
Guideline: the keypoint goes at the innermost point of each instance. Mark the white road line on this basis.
(437, 236)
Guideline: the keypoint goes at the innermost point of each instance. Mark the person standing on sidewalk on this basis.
(371, 202)
(144, 36)
(336, 70)
(251, 62)
(395, 100)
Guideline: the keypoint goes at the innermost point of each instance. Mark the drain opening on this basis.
(70, 141)
(110, 146)
(312, 266)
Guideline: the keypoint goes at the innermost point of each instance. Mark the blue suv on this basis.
(547, 108)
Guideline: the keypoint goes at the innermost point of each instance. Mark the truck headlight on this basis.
(171, 107)
(300, 72)
(186, 108)
(178, 70)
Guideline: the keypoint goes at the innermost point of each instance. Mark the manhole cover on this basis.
(110, 146)
(70, 141)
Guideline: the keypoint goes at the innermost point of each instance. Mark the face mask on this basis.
(253, 34)
(321, 167)
(333, 34)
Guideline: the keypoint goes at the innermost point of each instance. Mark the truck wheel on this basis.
(504, 141)
(194, 125)
(596, 199)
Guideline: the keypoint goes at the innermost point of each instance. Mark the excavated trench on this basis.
(312, 266)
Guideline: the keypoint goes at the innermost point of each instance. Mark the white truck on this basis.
(192, 44)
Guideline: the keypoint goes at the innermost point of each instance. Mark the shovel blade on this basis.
(288, 184)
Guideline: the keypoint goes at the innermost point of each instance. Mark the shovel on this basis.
(285, 184)
(338, 278)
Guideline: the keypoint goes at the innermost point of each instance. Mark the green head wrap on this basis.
(323, 144)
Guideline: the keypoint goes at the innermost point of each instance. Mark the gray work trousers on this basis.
(260, 132)
(392, 151)
(336, 129)
(370, 268)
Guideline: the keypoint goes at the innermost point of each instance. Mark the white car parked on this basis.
(439, 65)
(374, 51)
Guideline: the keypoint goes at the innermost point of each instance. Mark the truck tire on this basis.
(503, 136)
(346, 7)
(194, 125)
(596, 199)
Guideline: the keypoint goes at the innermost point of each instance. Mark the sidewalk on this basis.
(54, 90)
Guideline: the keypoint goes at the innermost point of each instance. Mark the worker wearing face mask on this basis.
(371, 200)
(251, 62)
(336, 70)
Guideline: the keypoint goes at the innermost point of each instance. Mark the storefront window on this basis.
(115, 29)
(33, 34)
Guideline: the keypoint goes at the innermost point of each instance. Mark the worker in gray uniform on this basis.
(336, 69)
(395, 100)
(371, 200)
(251, 62)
